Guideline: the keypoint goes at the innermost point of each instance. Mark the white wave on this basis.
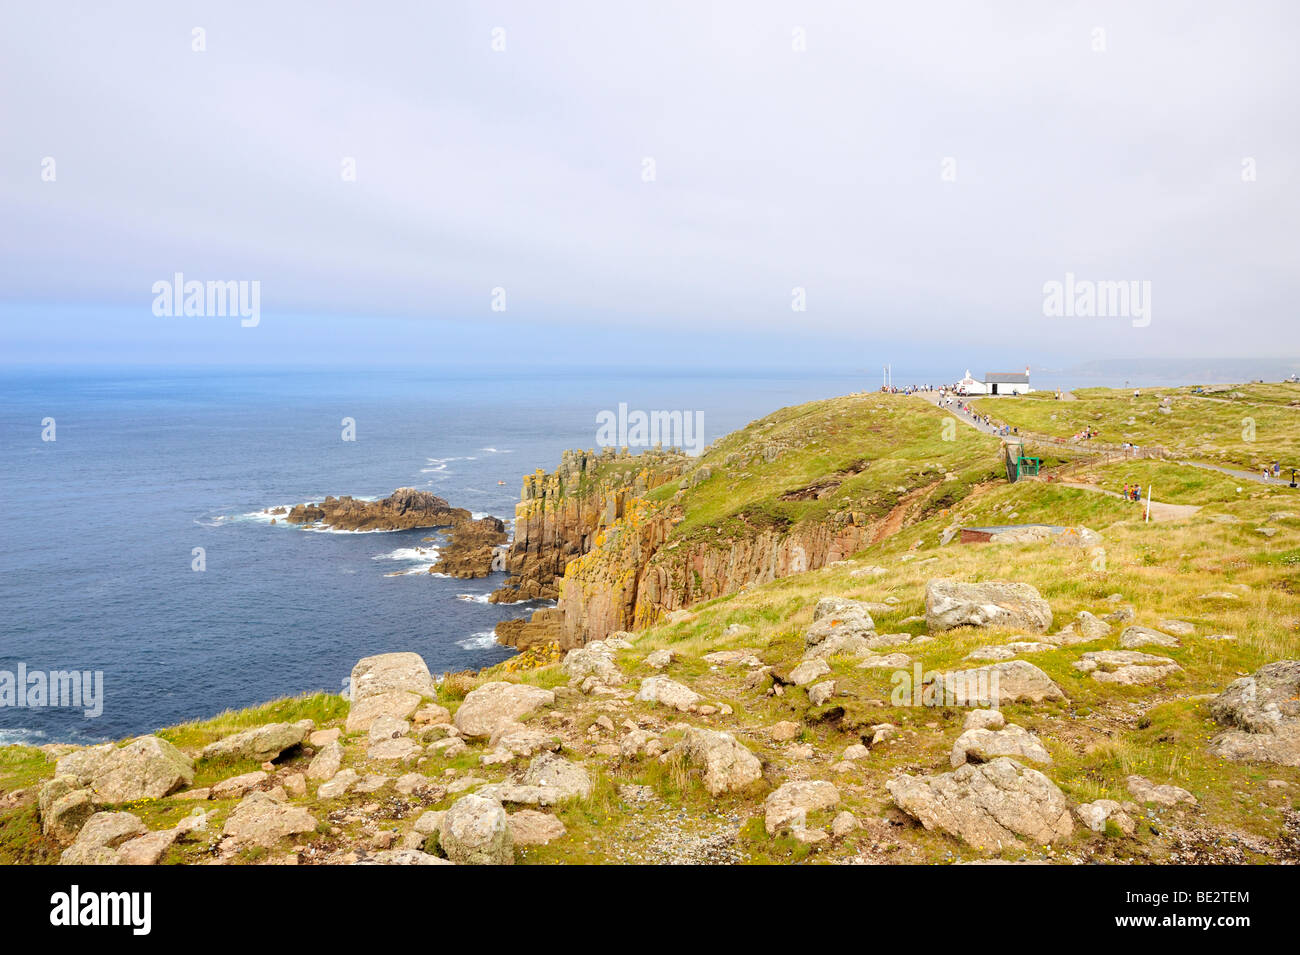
(416, 554)
(483, 640)
(497, 450)
(474, 598)
(24, 737)
(265, 516)
(423, 557)
(439, 465)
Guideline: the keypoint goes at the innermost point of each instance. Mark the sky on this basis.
(677, 183)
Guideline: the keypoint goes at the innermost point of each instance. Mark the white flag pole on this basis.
(1148, 520)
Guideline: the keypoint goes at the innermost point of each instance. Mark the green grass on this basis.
(1239, 433)
(321, 707)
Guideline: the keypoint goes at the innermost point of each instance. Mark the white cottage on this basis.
(996, 383)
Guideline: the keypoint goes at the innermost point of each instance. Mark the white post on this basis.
(1148, 518)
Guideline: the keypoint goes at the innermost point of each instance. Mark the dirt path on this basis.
(1160, 511)
(1257, 477)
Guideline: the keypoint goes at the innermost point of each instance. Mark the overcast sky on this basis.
(1102, 139)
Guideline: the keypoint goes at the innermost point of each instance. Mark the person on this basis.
(1127, 493)
(1137, 493)
(1277, 469)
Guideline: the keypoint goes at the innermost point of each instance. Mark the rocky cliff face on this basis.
(637, 574)
(472, 549)
(792, 492)
(560, 515)
(403, 509)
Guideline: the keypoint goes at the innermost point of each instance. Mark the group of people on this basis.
(905, 389)
(1133, 492)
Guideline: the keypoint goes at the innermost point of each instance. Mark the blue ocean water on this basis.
(148, 464)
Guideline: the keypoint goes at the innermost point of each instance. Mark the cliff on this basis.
(559, 515)
(472, 548)
(793, 492)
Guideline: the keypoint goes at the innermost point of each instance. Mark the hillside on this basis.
(758, 711)
(796, 490)
(1242, 426)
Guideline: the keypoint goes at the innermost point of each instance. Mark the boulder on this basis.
(784, 731)
(983, 745)
(531, 828)
(1134, 637)
(103, 830)
(991, 805)
(595, 659)
(952, 603)
(844, 823)
(390, 684)
(492, 705)
(321, 737)
(386, 672)
(393, 749)
(387, 727)
(476, 831)
(808, 671)
(553, 770)
(1263, 713)
(262, 743)
(728, 765)
(549, 779)
(1143, 790)
(64, 806)
(666, 692)
(984, 720)
(996, 684)
(821, 693)
(237, 786)
(658, 659)
(1084, 628)
(145, 768)
(1096, 814)
(398, 704)
(261, 820)
(839, 618)
(520, 739)
(338, 785)
(147, 849)
(325, 764)
(1126, 667)
(431, 713)
(789, 804)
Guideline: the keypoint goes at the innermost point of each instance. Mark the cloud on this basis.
(774, 168)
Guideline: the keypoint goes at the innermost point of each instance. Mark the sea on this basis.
(135, 543)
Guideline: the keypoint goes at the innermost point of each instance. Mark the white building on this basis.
(996, 383)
